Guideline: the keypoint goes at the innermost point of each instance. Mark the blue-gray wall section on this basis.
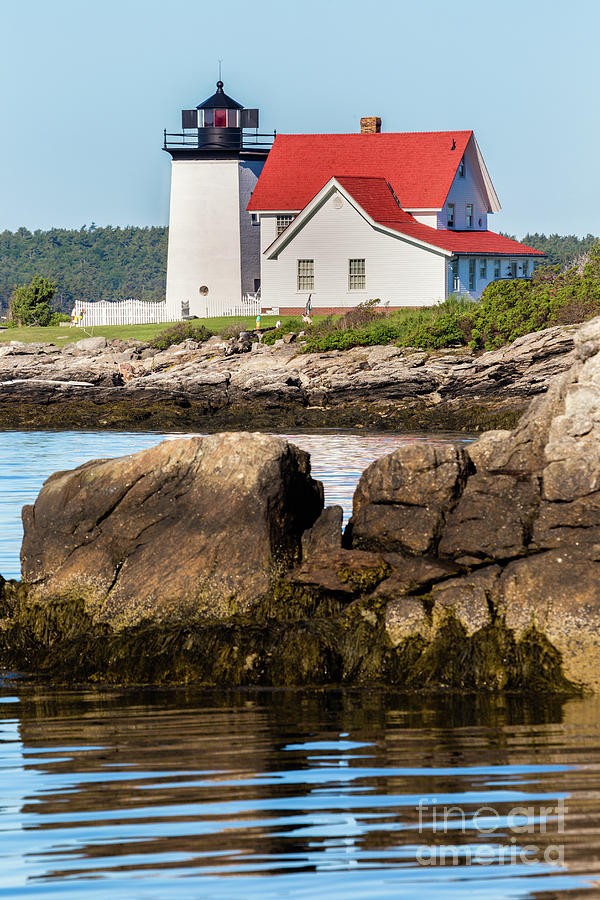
(249, 233)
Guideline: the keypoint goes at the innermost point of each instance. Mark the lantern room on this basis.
(218, 122)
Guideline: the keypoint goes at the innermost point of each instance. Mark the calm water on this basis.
(184, 794)
(252, 795)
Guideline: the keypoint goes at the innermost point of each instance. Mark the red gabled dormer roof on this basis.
(419, 166)
(375, 197)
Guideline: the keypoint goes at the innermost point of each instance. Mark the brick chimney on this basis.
(370, 125)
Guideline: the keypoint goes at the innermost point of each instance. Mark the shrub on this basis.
(361, 315)
(183, 331)
(292, 323)
(440, 331)
(233, 330)
(57, 317)
(507, 310)
(269, 337)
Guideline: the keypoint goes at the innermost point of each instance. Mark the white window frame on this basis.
(283, 222)
(525, 267)
(497, 268)
(305, 275)
(461, 168)
(357, 279)
(450, 215)
(469, 215)
(483, 267)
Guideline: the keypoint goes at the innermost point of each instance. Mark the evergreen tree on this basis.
(30, 304)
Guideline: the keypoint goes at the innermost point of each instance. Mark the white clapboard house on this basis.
(400, 217)
(340, 218)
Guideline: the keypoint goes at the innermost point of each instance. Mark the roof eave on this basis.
(493, 201)
(273, 212)
(498, 253)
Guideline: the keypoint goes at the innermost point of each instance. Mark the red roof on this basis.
(375, 197)
(419, 166)
(471, 242)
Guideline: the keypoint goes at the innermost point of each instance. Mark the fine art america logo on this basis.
(523, 835)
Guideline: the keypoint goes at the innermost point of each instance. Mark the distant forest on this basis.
(88, 264)
(116, 263)
(561, 249)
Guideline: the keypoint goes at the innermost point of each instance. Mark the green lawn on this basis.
(124, 332)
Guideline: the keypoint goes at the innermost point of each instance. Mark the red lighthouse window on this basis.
(221, 118)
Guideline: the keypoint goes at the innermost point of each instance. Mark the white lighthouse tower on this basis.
(214, 244)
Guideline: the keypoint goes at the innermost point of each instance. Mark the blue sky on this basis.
(87, 88)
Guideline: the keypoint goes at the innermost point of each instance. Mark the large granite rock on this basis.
(401, 500)
(522, 522)
(485, 560)
(191, 527)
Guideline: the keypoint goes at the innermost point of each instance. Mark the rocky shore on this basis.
(211, 560)
(219, 385)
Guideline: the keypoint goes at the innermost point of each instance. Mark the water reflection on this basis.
(166, 793)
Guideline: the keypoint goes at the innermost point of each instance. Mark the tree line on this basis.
(109, 263)
(86, 264)
(561, 249)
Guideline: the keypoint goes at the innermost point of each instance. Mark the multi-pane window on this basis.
(472, 264)
(497, 268)
(306, 274)
(450, 209)
(461, 168)
(469, 216)
(513, 270)
(283, 222)
(455, 278)
(357, 277)
(525, 268)
(483, 267)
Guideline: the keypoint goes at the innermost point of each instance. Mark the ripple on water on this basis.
(249, 794)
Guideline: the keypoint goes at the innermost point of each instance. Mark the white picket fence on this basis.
(126, 312)
(250, 306)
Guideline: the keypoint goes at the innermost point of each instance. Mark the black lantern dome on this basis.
(220, 100)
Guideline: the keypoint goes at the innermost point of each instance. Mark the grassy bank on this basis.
(61, 335)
